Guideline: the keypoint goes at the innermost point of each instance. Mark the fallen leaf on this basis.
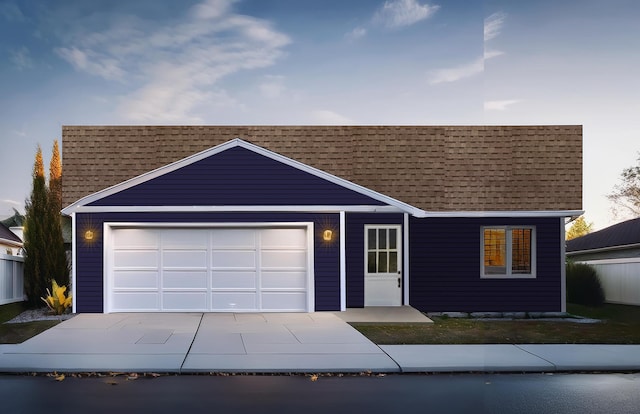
(314, 377)
(59, 377)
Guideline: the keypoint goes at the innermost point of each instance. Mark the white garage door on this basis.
(221, 269)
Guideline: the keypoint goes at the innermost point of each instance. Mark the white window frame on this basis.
(508, 274)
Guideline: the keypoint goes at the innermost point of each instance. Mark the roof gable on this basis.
(8, 237)
(237, 173)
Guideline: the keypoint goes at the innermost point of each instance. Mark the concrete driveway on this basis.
(196, 342)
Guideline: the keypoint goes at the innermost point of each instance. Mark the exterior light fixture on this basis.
(327, 235)
(88, 235)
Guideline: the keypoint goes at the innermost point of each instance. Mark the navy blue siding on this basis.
(445, 268)
(354, 236)
(90, 263)
(236, 176)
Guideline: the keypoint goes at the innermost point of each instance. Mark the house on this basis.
(15, 223)
(320, 218)
(615, 253)
(10, 243)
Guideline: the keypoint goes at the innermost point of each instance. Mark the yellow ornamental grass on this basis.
(57, 301)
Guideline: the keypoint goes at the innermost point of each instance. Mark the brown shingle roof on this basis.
(435, 168)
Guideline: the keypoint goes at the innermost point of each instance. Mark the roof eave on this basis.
(603, 249)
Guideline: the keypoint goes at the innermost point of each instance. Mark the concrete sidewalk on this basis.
(276, 342)
(514, 358)
(196, 342)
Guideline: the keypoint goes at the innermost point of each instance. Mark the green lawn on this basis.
(15, 333)
(620, 325)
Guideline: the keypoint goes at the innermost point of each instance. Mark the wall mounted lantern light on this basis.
(89, 235)
(327, 235)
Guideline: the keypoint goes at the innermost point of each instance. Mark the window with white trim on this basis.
(508, 252)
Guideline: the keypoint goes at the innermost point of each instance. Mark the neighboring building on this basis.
(10, 243)
(320, 218)
(615, 253)
(15, 224)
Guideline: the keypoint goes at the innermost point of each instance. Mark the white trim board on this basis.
(237, 142)
(505, 213)
(233, 209)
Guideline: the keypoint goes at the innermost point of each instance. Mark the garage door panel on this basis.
(295, 301)
(233, 279)
(279, 280)
(139, 301)
(141, 279)
(185, 239)
(181, 301)
(184, 279)
(136, 258)
(234, 239)
(136, 238)
(184, 258)
(283, 238)
(233, 259)
(282, 259)
(230, 301)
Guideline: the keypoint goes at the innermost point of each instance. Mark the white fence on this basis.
(11, 279)
(620, 279)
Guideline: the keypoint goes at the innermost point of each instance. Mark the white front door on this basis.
(382, 257)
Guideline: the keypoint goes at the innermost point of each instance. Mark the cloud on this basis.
(173, 66)
(327, 117)
(11, 12)
(499, 105)
(272, 87)
(490, 54)
(493, 25)
(21, 58)
(90, 62)
(457, 72)
(356, 34)
(399, 13)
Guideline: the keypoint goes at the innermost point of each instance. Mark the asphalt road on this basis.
(456, 393)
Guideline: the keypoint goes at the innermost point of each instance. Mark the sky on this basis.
(314, 62)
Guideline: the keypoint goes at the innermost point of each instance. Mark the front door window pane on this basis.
(382, 239)
(371, 235)
(371, 262)
(393, 239)
(382, 262)
(393, 261)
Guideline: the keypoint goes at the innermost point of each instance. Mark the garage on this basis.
(221, 269)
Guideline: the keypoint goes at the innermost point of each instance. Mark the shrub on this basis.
(56, 300)
(583, 285)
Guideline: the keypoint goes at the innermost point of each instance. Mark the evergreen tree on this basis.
(35, 238)
(45, 257)
(57, 257)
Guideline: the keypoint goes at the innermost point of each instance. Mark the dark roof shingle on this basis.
(434, 168)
